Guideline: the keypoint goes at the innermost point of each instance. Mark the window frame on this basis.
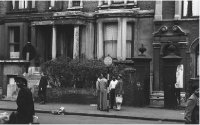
(182, 11)
(14, 43)
(117, 4)
(75, 8)
(15, 6)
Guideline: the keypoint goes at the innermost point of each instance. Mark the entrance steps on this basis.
(157, 99)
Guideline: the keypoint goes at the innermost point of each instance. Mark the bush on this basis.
(77, 73)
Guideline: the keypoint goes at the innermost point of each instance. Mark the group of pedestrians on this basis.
(109, 93)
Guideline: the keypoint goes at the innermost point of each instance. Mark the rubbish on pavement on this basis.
(4, 117)
(60, 111)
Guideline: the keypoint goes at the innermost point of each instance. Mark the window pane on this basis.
(52, 3)
(21, 4)
(111, 48)
(117, 1)
(25, 3)
(185, 7)
(14, 39)
(13, 4)
(33, 3)
(110, 39)
(75, 3)
(195, 7)
(128, 40)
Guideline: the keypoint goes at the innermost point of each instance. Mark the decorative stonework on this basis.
(169, 31)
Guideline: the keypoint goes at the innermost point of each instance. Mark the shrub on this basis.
(77, 73)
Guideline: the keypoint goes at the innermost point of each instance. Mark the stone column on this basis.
(178, 6)
(156, 66)
(119, 39)
(124, 25)
(158, 10)
(76, 42)
(53, 42)
(100, 40)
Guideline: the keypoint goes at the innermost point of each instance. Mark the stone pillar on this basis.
(178, 6)
(124, 25)
(142, 81)
(100, 40)
(119, 38)
(53, 42)
(76, 42)
(158, 10)
(156, 66)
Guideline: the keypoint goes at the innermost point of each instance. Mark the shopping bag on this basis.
(119, 99)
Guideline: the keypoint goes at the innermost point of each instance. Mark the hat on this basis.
(21, 79)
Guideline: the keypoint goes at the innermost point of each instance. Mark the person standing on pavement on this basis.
(192, 109)
(103, 93)
(98, 92)
(119, 92)
(112, 85)
(42, 88)
(25, 104)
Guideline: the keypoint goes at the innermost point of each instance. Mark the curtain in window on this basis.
(33, 4)
(195, 7)
(23, 4)
(13, 4)
(110, 39)
(11, 38)
(52, 3)
(185, 7)
(128, 40)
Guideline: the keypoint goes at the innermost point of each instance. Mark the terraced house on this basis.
(96, 29)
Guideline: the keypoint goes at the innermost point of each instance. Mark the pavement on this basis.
(142, 113)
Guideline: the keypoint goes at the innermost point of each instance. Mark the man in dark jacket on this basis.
(25, 104)
(42, 88)
(192, 109)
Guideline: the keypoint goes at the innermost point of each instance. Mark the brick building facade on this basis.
(95, 29)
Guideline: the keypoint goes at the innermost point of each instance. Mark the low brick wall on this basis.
(70, 95)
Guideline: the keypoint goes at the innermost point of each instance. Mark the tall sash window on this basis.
(110, 39)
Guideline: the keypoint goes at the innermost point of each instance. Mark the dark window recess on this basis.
(76, 3)
(105, 3)
(29, 34)
(14, 39)
(117, 1)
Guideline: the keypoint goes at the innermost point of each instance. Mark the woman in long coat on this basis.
(25, 104)
(119, 92)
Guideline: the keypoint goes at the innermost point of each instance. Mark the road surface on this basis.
(46, 118)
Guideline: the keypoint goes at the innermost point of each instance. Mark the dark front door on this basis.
(65, 37)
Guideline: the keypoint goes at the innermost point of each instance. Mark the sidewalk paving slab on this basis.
(144, 113)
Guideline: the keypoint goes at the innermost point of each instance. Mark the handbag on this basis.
(119, 99)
